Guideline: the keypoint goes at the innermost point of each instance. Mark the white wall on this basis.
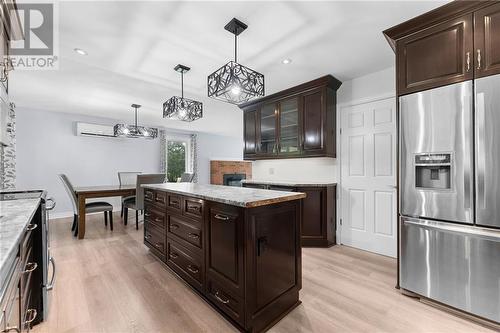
(301, 169)
(47, 146)
(216, 147)
(365, 88)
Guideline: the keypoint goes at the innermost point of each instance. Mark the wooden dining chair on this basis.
(127, 178)
(91, 207)
(137, 202)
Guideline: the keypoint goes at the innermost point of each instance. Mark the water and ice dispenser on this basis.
(433, 171)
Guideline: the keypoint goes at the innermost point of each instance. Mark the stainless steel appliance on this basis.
(49, 268)
(450, 195)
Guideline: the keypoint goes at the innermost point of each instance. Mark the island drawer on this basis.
(228, 302)
(160, 198)
(154, 237)
(193, 208)
(186, 229)
(155, 216)
(149, 195)
(185, 263)
(174, 202)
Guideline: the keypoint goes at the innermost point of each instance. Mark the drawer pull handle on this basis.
(221, 217)
(158, 245)
(174, 203)
(158, 220)
(174, 255)
(220, 299)
(32, 315)
(174, 226)
(195, 236)
(160, 200)
(147, 214)
(195, 208)
(193, 269)
(30, 267)
(148, 236)
(31, 227)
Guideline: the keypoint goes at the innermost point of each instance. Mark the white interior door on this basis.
(368, 176)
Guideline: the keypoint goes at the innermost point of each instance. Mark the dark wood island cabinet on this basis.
(242, 255)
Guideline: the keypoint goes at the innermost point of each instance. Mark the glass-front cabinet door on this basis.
(289, 126)
(268, 122)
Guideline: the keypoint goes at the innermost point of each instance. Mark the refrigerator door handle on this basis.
(474, 232)
(481, 157)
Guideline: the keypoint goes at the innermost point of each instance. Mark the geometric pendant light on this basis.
(233, 82)
(135, 131)
(180, 108)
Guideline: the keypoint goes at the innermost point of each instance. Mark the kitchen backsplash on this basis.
(8, 155)
(322, 169)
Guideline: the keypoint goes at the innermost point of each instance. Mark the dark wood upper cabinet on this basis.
(313, 114)
(452, 43)
(436, 56)
(487, 41)
(296, 122)
(250, 132)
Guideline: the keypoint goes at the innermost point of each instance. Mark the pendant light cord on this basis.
(136, 118)
(182, 84)
(235, 47)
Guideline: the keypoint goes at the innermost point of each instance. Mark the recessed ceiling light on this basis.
(286, 61)
(80, 51)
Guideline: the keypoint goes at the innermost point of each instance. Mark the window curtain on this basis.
(193, 157)
(163, 152)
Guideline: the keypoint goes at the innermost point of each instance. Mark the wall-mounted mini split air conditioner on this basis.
(95, 130)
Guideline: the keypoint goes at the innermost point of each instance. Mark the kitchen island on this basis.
(238, 248)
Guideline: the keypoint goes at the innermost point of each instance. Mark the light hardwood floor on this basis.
(109, 283)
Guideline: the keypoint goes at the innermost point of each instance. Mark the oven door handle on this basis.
(50, 286)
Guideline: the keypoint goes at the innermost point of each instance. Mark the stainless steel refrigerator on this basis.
(450, 195)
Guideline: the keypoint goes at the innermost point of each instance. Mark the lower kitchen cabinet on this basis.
(318, 227)
(246, 262)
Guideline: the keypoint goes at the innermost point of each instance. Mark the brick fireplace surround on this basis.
(219, 168)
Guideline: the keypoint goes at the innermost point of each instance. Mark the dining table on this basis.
(102, 191)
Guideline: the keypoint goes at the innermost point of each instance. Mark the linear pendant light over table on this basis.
(235, 83)
(135, 131)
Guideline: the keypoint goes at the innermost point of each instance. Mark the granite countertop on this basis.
(236, 196)
(14, 217)
(288, 183)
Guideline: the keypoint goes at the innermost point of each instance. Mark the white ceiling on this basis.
(133, 46)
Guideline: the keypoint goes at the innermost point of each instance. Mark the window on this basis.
(177, 158)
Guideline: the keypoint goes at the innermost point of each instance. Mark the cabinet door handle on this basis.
(31, 227)
(173, 255)
(220, 299)
(174, 226)
(478, 58)
(193, 269)
(158, 220)
(468, 61)
(158, 245)
(261, 245)
(195, 236)
(147, 214)
(32, 315)
(221, 217)
(147, 236)
(30, 267)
